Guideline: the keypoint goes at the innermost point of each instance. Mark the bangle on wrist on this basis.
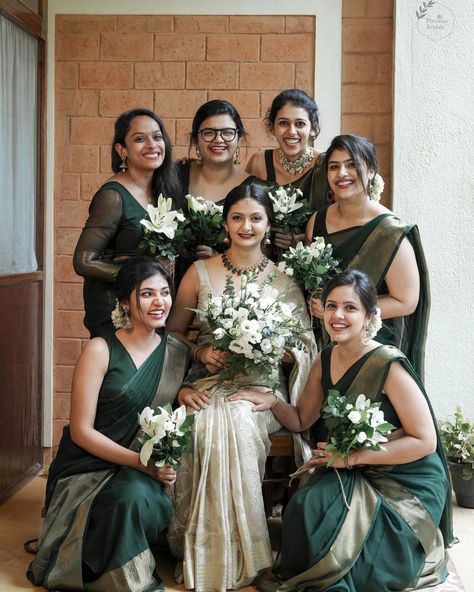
(275, 401)
(346, 462)
(194, 353)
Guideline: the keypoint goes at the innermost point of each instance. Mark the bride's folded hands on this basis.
(195, 399)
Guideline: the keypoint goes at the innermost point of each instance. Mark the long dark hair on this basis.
(253, 191)
(133, 272)
(362, 284)
(165, 179)
(360, 149)
(215, 107)
(297, 97)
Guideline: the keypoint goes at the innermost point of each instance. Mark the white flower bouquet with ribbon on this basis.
(164, 228)
(254, 327)
(165, 435)
(291, 212)
(353, 422)
(311, 265)
(205, 224)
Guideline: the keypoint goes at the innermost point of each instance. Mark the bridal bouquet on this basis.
(254, 326)
(205, 223)
(312, 266)
(291, 213)
(164, 229)
(354, 423)
(165, 435)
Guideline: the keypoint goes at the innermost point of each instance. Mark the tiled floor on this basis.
(20, 520)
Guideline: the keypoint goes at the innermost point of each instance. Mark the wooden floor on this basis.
(20, 520)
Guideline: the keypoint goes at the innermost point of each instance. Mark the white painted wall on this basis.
(433, 180)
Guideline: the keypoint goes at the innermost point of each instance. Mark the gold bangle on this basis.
(346, 462)
(275, 401)
(194, 353)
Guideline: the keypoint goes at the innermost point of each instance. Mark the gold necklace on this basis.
(257, 268)
(300, 165)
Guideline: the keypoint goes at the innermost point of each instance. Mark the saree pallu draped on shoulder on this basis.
(102, 517)
(371, 248)
(399, 522)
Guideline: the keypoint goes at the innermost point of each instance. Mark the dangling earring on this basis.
(364, 335)
(123, 165)
(267, 240)
(120, 317)
(126, 320)
(330, 196)
(236, 155)
(226, 240)
(199, 155)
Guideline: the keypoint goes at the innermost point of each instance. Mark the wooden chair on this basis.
(281, 446)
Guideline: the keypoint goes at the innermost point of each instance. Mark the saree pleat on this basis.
(101, 517)
(371, 248)
(219, 526)
(399, 523)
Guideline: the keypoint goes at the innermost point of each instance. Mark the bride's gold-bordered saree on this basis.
(372, 248)
(399, 523)
(219, 526)
(101, 518)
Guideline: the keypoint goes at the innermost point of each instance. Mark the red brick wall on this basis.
(172, 64)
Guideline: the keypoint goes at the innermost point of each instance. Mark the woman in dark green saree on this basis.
(293, 119)
(367, 236)
(143, 165)
(104, 508)
(392, 532)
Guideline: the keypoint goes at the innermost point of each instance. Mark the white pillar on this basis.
(433, 179)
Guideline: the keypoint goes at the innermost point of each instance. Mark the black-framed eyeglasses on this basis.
(209, 134)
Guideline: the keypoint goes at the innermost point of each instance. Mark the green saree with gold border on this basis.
(399, 523)
(101, 517)
(371, 248)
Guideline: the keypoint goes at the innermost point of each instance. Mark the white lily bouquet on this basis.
(205, 223)
(354, 422)
(165, 435)
(291, 212)
(164, 229)
(311, 265)
(253, 326)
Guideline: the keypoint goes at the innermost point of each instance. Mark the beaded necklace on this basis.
(235, 269)
(300, 165)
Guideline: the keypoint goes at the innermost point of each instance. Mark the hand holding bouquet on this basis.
(164, 229)
(165, 435)
(205, 224)
(354, 423)
(254, 326)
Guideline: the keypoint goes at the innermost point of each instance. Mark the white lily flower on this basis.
(179, 416)
(361, 437)
(163, 219)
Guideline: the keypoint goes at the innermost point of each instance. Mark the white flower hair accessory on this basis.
(375, 324)
(376, 187)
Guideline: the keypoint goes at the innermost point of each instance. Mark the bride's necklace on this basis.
(300, 165)
(257, 268)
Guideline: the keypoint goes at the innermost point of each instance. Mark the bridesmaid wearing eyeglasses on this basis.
(216, 134)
